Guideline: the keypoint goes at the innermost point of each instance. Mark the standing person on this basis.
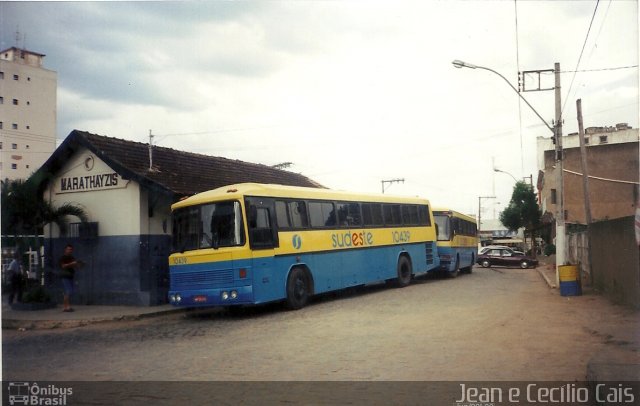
(68, 266)
(16, 279)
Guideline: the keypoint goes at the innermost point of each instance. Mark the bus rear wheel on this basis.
(404, 271)
(469, 269)
(456, 268)
(298, 291)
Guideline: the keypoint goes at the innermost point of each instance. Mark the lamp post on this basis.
(480, 210)
(460, 64)
(501, 171)
(557, 136)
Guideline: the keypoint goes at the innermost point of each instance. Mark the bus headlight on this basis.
(225, 295)
(172, 298)
(234, 294)
(178, 298)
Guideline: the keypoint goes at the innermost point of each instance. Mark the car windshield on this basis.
(207, 226)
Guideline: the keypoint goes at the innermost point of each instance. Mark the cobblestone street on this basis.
(494, 324)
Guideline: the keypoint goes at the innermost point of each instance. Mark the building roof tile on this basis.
(177, 172)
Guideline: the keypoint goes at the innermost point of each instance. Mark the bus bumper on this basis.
(236, 295)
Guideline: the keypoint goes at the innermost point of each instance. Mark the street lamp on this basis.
(501, 171)
(557, 136)
(460, 64)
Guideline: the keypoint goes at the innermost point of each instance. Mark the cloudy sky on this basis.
(350, 92)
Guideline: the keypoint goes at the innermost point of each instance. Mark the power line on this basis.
(595, 42)
(600, 70)
(515, 3)
(580, 58)
(163, 136)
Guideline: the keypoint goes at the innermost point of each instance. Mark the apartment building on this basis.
(612, 163)
(27, 112)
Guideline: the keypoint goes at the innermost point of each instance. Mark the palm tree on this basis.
(24, 212)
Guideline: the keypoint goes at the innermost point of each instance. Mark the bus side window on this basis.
(262, 228)
(423, 213)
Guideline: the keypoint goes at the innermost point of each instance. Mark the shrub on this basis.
(549, 249)
(36, 295)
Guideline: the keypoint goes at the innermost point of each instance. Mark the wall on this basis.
(608, 199)
(615, 258)
(35, 117)
(110, 205)
(127, 263)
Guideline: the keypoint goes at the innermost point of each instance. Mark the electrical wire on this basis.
(515, 4)
(580, 57)
(600, 70)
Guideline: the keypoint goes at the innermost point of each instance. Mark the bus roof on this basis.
(238, 191)
(453, 213)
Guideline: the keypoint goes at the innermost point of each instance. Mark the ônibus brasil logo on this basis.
(25, 393)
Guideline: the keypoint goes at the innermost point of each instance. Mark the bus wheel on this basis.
(297, 289)
(456, 268)
(404, 271)
(470, 268)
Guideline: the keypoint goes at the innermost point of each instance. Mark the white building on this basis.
(27, 113)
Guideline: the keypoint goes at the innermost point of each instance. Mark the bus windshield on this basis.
(212, 225)
(444, 230)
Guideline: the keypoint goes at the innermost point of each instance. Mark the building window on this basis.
(0, 125)
(1, 100)
(14, 166)
(14, 126)
(14, 146)
(0, 144)
(554, 196)
(15, 102)
(27, 166)
(28, 103)
(1, 75)
(603, 139)
(28, 127)
(586, 140)
(16, 77)
(27, 145)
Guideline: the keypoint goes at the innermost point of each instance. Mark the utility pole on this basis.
(585, 185)
(480, 210)
(560, 226)
(391, 181)
(583, 161)
(557, 137)
(150, 151)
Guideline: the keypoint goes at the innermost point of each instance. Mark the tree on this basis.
(523, 211)
(24, 212)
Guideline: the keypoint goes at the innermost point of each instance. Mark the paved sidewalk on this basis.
(547, 269)
(81, 316)
(617, 362)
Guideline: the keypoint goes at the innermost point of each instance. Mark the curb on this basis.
(16, 324)
(551, 284)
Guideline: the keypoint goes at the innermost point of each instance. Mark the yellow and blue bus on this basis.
(255, 243)
(457, 241)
